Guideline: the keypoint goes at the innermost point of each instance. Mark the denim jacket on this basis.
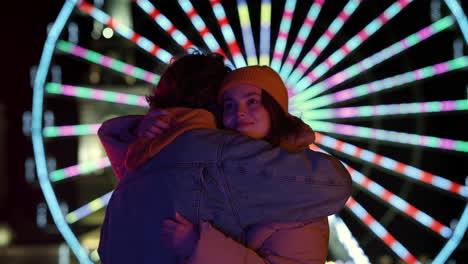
(226, 178)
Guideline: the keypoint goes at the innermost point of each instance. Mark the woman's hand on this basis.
(181, 236)
(154, 123)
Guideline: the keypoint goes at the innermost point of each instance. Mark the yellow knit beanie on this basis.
(262, 77)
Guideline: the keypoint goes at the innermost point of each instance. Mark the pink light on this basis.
(79, 51)
(447, 143)
(68, 90)
(300, 41)
(290, 60)
(316, 50)
(97, 94)
(418, 74)
(278, 55)
(448, 105)
(128, 69)
(343, 16)
(403, 3)
(149, 77)
(343, 95)
(309, 21)
(106, 61)
(441, 68)
(346, 49)
(71, 171)
(363, 35)
(142, 101)
(302, 67)
(121, 98)
(383, 19)
(67, 130)
(425, 33)
(283, 35)
(288, 14)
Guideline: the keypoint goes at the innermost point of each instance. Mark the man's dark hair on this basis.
(190, 80)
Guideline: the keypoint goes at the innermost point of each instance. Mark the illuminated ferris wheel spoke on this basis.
(377, 190)
(380, 231)
(280, 43)
(88, 208)
(390, 136)
(323, 42)
(227, 32)
(164, 23)
(125, 31)
(265, 31)
(247, 35)
(201, 27)
(300, 101)
(352, 44)
(386, 110)
(301, 38)
(379, 57)
(96, 94)
(393, 165)
(72, 130)
(108, 62)
(79, 169)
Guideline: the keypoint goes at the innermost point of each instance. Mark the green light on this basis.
(93, 56)
(461, 146)
(57, 175)
(71, 218)
(65, 46)
(86, 93)
(53, 88)
(51, 131)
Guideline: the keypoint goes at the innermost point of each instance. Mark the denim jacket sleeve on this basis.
(116, 135)
(268, 184)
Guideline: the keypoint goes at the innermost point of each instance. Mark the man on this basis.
(229, 180)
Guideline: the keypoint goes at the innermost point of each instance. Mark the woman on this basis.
(254, 102)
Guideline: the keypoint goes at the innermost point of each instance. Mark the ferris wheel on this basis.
(383, 85)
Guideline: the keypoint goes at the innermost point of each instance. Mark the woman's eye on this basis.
(252, 101)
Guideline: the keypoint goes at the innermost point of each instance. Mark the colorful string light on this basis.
(88, 209)
(386, 110)
(201, 27)
(164, 23)
(301, 38)
(76, 130)
(96, 94)
(79, 169)
(380, 231)
(298, 105)
(247, 35)
(323, 42)
(352, 44)
(107, 62)
(228, 34)
(372, 187)
(391, 136)
(265, 30)
(124, 31)
(382, 55)
(280, 43)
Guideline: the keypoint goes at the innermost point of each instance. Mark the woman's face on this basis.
(244, 111)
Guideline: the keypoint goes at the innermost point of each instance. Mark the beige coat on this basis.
(274, 243)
